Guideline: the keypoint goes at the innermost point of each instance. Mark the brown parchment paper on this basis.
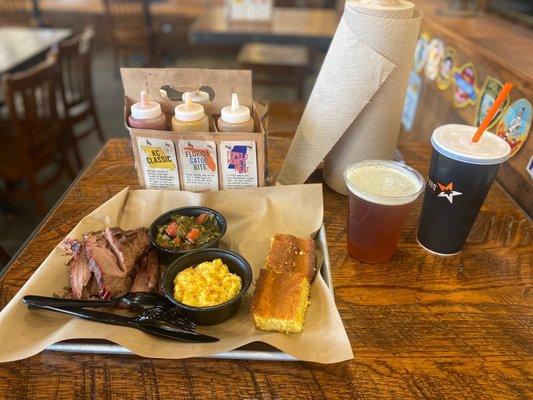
(253, 215)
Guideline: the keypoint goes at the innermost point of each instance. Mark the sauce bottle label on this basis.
(198, 164)
(238, 161)
(159, 165)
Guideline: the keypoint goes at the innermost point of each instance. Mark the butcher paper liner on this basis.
(253, 216)
(355, 108)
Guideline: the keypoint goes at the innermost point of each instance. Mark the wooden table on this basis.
(312, 27)
(184, 8)
(420, 326)
(22, 47)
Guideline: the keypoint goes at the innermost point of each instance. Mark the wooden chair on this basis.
(19, 13)
(276, 64)
(75, 82)
(34, 141)
(131, 29)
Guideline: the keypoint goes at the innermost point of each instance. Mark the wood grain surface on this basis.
(420, 326)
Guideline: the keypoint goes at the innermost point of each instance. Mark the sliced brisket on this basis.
(79, 269)
(111, 279)
(148, 274)
(128, 246)
(91, 290)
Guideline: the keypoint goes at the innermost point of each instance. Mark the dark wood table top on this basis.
(420, 326)
(19, 45)
(307, 26)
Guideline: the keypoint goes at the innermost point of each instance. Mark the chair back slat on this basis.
(31, 99)
(74, 57)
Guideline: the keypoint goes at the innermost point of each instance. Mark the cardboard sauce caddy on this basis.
(196, 161)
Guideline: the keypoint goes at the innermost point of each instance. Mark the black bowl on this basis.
(214, 314)
(169, 255)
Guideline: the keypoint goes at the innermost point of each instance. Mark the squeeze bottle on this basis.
(147, 114)
(235, 118)
(189, 117)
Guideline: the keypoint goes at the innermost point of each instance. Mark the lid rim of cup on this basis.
(466, 158)
(385, 200)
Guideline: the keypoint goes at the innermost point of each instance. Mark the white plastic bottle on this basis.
(190, 117)
(235, 118)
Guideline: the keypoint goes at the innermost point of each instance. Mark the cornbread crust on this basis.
(280, 301)
(291, 254)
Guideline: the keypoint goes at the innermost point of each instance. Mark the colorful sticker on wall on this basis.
(515, 124)
(198, 164)
(491, 89)
(446, 68)
(421, 51)
(435, 54)
(238, 163)
(158, 161)
(465, 92)
(414, 87)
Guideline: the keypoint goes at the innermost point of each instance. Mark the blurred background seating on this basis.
(20, 13)
(75, 80)
(276, 64)
(33, 143)
(130, 26)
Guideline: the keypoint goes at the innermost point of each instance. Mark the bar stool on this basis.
(75, 82)
(33, 142)
(130, 24)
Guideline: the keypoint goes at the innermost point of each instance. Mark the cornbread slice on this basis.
(282, 291)
(280, 301)
(291, 254)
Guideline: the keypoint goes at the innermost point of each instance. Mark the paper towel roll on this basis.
(355, 108)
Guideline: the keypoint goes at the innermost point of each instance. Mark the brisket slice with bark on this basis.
(128, 246)
(91, 290)
(111, 279)
(79, 269)
(148, 273)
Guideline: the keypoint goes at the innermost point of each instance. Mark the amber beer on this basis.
(380, 196)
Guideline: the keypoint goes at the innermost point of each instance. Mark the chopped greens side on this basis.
(187, 232)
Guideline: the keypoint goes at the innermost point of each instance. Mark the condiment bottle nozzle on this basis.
(145, 101)
(235, 102)
(188, 100)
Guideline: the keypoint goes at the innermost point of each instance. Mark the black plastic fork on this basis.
(142, 322)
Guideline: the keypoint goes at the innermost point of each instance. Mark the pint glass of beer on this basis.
(380, 195)
(460, 175)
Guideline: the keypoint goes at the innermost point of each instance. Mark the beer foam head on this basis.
(384, 182)
(455, 142)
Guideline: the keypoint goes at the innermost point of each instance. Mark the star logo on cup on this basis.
(448, 192)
